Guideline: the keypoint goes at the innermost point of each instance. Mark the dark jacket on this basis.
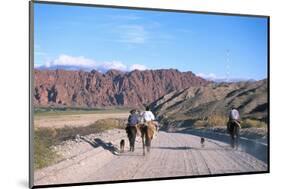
(133, 120)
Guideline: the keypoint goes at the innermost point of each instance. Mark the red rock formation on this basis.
(114, 88)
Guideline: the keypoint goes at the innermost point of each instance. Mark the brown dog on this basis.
(122, 145)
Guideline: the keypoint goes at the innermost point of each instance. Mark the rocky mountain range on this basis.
(114, 88)
(200, 102)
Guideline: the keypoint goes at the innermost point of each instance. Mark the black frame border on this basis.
(31, 65)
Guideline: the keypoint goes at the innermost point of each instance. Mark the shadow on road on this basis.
(100, 143)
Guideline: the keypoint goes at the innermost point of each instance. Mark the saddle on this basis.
(237, 123)
(230, 122)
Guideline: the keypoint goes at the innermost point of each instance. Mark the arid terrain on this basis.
(77, 146)
(75, 120)
(201, 102)
(96, 157)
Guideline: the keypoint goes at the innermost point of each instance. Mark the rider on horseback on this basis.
(147, 115)
(234, 118)
(133, 118)
(148, 119)
(131, 128)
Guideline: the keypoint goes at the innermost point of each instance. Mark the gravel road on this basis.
(172, 155)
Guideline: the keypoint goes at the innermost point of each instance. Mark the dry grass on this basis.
(200, 123)
(251, 123)
(217, 120)
(212, 121)
(43, 153)
(45, 138)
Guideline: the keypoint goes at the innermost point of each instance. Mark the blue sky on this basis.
(212, 46)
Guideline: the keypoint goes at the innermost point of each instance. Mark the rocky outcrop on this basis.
(113, 88)
(251, 99)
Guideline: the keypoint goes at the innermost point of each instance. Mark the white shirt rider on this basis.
(234, 114)
(147, 115)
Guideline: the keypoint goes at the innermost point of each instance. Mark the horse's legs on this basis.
(147, 142)
(130, 136)
(143, 144)
(232, 138)
(131, 146)
(231, 129)
(237, 136)
(130, 140)
(148, 145)
(142, 138)
(133, 142)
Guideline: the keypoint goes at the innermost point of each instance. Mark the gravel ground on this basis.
(96, 158)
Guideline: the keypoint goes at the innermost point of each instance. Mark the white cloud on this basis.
(71, 62)
(137, 67)
(210, 76)
(214, 77)
(66, 60)
(116, 65)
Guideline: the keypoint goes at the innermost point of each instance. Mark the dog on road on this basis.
(202, 141)
(122, 145)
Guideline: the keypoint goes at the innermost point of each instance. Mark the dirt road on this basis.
(172, 154)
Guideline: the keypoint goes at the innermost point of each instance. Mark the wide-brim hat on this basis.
(133, 111)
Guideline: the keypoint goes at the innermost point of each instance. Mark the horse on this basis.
(147, 131)
(234, 131)
(131, 132)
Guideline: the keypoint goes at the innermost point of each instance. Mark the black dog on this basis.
(202, 142)
(122, 145)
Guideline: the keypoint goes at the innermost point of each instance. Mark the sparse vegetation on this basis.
(200, 123)
(45, 138)
(217, 120)
(212, 121)
(43, 153)
(250, 123)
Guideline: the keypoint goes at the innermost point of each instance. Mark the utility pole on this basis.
(227, 65)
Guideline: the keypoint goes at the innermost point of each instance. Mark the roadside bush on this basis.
(200, 123)
(217, 120)
(248, 123)
(44, 155)
(45, 138)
